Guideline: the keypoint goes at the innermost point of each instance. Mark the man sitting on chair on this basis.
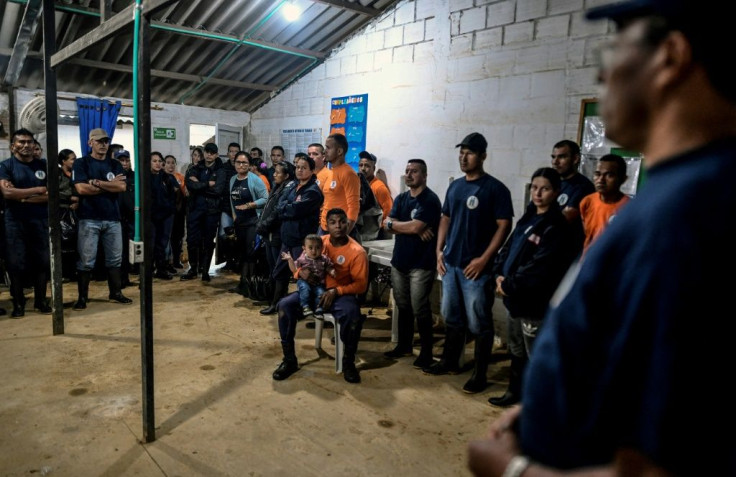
(351, 279)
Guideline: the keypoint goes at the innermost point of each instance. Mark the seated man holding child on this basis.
(340, 298)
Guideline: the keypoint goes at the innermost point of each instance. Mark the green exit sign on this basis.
(164, 133)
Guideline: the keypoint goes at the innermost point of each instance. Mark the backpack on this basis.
(367, 198)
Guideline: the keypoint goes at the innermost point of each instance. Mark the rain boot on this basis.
(406, 336)
(352, 336)
(19, 299)
(40, 302)
(279, 290)
(193, 264)
(478, 380)
(426, 340)
(513, 393)
(83, 277)
(454, 345)
(114, 286)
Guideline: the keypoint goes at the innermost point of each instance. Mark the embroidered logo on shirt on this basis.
(40, 175)
(534, 238)
(333, 184)
(413, 213)
(340, 259)
(110, 176)
(562, 199)
(472, 202)
(317, 182)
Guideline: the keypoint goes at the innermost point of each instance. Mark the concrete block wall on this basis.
(436, 70)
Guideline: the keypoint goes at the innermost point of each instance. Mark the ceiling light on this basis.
(291, 11)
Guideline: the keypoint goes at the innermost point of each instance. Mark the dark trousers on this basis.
(345, 309)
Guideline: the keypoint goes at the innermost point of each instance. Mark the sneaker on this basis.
(319, 313)
(306, 311)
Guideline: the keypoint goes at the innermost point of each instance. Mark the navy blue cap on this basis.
(671, 9)
(367, 155)
(475, 142)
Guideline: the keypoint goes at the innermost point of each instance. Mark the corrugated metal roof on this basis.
(222, 54)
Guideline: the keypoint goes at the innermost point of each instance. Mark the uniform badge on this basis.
(40, 175)
(562, 199)
(413, 213)
(110, 176)
(333, 184)
(472, 202)
(340, 259)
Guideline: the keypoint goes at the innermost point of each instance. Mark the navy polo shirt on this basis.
(102, 206)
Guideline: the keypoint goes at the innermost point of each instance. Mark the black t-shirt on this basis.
(102, 206)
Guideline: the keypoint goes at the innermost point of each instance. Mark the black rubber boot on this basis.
(19, 298)
(162, 272)
(405, 346)
(193, 264)
(478, 380)
(289, 365)
(83, 278)
(40, 302)
(426, 340)
(207, 252)
(114, 285)
(513, 393)
(351, 338)
(279, 290)
(454, 345)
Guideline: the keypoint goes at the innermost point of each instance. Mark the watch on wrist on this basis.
(389, 224)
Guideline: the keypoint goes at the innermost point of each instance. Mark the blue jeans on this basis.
(226, 220)
(309, 295)
(467, 302)
(90, 232)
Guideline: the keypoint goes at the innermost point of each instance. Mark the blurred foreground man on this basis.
(611, 378)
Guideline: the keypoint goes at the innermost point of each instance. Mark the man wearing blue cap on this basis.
(476, 219)
(622, 360)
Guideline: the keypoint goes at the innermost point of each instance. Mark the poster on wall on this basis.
(298, 140)
(349, 116)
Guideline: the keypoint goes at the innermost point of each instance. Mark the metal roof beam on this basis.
(156, 73)
(353, 7)
(26, 32)
(120, 20)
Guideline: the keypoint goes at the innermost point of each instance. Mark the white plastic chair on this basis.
(339, 346)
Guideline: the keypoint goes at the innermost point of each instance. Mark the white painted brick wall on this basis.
(564, 6)
(518, 33)
(553, 27)
(501, 13)
(530, 9)
(404, 13)
(472, 19)
(414, 32)
(487, 39)
(394, 37)
(425, 9)
(516, 73)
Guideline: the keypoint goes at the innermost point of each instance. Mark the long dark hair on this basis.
(551, 175)
(63, 154)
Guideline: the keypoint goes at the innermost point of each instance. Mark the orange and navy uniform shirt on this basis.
(351, 267)
(383, 196)
(341, 191)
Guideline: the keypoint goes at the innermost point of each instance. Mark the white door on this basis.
(224, 135)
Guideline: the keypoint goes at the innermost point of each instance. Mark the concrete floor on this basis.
(70, 405)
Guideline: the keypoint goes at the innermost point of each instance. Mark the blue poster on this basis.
(349, 116)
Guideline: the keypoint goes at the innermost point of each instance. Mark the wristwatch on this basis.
(389, 224)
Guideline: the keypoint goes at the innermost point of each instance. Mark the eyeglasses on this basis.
(241, 163)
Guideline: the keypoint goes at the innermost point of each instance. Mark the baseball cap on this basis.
(680, 10)
(367, 155)
(475, 142)
(98, 134)
(122, 153)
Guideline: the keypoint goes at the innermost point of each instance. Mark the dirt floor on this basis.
(70, 405)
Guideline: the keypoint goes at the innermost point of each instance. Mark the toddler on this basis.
(319, 265)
